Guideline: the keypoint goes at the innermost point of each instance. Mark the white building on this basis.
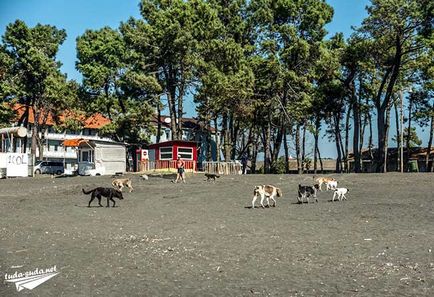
(53, 140)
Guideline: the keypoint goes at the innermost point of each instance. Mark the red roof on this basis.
(95, 121)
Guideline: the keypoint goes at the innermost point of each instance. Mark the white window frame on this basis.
(90, 156)
(171, 152)
(183, 153)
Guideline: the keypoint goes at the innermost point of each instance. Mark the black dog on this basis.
(306, 192)
(106, 192)
(211, 176)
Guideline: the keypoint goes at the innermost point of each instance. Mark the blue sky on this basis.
(75, 16)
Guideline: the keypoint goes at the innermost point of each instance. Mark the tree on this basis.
(116, 82)
(175, 28)
(31, 75)
(396, 32)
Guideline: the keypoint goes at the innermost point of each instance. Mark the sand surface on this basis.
(202, 239)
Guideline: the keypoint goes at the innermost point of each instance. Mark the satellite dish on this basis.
(167, 120)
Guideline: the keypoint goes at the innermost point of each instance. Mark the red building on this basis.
(163, 155)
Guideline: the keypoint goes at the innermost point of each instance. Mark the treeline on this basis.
(261, 73)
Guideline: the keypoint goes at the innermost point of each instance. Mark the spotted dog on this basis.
(266, 191)
(304, 192)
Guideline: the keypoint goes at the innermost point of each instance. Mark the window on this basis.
(86, 156)
(70, 132)
(185, 153)
(166, 153)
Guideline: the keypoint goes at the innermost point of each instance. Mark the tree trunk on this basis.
(158, 122)
(370, 139)
(208, 140)
(357, 135)
(298, 149)
(316, 137)
(35, 129)
(266, 145)
(347, 138)
(407, 140)
(171, 101)
(429, 166)
(180, 115)
(337, 133)
(381, 129)
(383, 106)
(234, 138)
(278, 142)
(362, 139)
(226, 138)
(398, 137)
(217, 139)
(286, 148)
(320, 160)
(172, 113)
(386, 142)
(255, 148)
(303, 147)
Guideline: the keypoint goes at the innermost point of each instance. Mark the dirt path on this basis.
(201, 239)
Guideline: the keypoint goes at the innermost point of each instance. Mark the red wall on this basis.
(175, 149)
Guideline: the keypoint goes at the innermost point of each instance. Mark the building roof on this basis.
(95, 121)
(188, 123)
(76, 142)
(173, 142)
(392, 152)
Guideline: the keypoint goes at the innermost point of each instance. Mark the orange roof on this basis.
(95, 121)
(73, 142)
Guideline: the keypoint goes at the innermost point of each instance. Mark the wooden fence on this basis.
(224, 168)
(165, 165)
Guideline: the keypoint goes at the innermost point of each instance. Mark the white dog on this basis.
(332, 185)
(268, 192)
(340, 192)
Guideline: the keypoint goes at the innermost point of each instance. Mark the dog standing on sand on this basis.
(119, 184)
(340, 193)
(304, 192)
(211, 176)
(109, 193)
(323, 180)
(268, 192)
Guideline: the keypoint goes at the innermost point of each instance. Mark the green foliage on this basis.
(31, 75)
(279, 167)
(415, 141)
(116, 81)
(6, 115)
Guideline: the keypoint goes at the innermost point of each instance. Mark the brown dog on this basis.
(119, 184)
(323, 180)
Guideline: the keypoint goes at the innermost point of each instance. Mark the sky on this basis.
(76, 16)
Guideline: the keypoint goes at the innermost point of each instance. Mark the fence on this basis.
(226, 168)
(165, 165)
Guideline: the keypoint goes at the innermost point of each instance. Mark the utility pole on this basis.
(401, 146)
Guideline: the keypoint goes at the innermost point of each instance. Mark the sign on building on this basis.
(16, 164)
